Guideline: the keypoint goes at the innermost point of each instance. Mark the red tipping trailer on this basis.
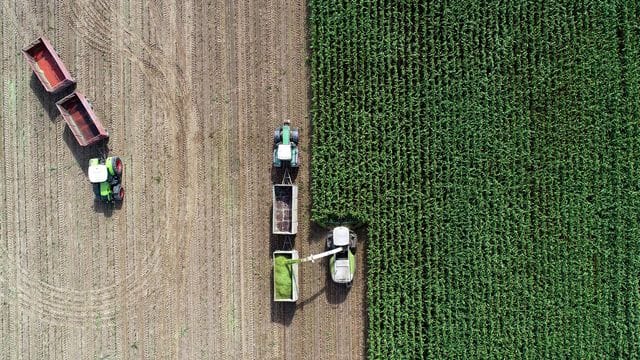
(83, 122)
(47, 66)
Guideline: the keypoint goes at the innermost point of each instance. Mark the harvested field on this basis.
(190, 94)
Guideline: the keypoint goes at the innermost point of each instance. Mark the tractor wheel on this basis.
(96, 191)
(118, 193)
(276, 136)
(116, 165)
(294, 136)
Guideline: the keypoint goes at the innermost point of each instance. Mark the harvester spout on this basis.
(315, 257)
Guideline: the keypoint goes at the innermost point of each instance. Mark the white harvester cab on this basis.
(342, 264)
(341, 236)
(98, 173)
(284, 152)
(341, 244)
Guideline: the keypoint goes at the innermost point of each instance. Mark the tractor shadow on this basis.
(82, 154)
(282, 312)
(48, 100)
(334, 293)
(278, 175)
(104, 208)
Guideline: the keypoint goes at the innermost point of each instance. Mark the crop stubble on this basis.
(190, 94)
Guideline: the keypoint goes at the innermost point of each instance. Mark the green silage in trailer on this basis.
(282, 277)
(493, 150)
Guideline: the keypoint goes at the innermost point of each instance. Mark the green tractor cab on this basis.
(285, 146)
(106, 177)
(342, 265)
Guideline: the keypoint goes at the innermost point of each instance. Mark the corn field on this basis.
(493, 149)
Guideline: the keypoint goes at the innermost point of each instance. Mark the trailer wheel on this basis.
(117, 166)
(118, 193)
(294, 136)
(276, 136)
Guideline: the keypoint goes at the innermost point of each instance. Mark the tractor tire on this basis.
(294, 136)
(276, 136)
(96, 191)
(117, 166)
(118, 193)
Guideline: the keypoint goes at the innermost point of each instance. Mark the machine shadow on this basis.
(82, 154)
(106, 209)
(48, 100)
(278, 175)
(337, 293)
(317, 233)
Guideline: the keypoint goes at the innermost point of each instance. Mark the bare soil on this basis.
(190, 93)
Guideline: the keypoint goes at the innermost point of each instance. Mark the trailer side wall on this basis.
(47, 66)
(285, 209)
(81, 119)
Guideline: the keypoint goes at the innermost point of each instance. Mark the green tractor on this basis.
(285, 146)
(106, 177)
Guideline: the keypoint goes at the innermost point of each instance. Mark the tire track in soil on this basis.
(5, 311)
(78, 306)
(272, 115)
(222, 187)
(199, 269)
(247, 206)
(215, 105)
(226, 337)
(242, 68)
(9, 106)
(10, 258)
(320, 299)
(46, 291)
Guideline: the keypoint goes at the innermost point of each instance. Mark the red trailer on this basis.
(47, 66)
(83, 122)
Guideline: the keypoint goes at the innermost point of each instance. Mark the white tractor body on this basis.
(98, 173)
(284, 152)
